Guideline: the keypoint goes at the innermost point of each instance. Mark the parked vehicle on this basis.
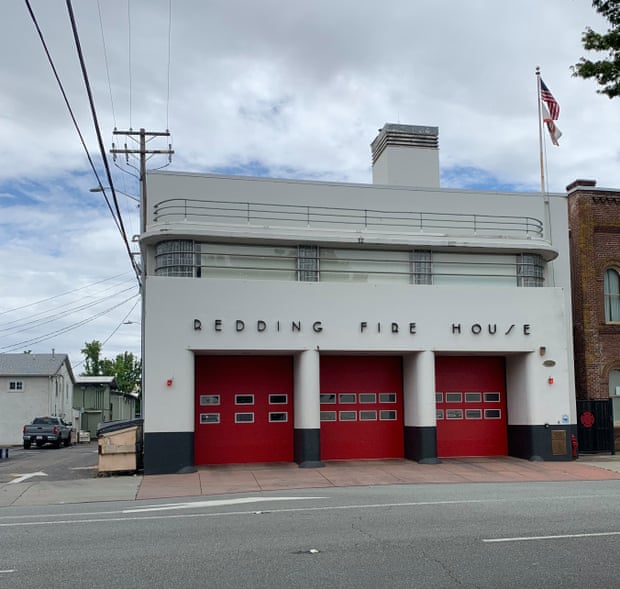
(47, 430)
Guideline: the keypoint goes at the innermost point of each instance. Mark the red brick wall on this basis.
(594, 221)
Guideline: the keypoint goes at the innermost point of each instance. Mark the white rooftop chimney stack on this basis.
(406, 155)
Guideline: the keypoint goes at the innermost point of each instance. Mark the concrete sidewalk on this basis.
(252, 478)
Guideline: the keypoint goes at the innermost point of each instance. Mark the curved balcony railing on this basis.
(257, 214)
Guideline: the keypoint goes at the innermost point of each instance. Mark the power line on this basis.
(107, 339)
(117, 221)
(100, 139)
(62, 294)
(105, 56)
(129, 56)
(169, 51)
(30, 322)
(66, 99)
(71, 327)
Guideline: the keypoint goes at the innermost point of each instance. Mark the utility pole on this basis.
(144, 154)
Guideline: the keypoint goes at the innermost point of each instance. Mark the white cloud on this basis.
(299, 88)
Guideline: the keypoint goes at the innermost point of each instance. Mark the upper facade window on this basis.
(530, 270)
(612, 295)
(248, 262)
(312, 263)
(174, 258)
(308, 263)
(16, 386)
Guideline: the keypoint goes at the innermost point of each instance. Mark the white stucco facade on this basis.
(189, 316)
(514, 322)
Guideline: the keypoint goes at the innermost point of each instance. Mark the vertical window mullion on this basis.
(422, 272)
(308, 263)
(529, 270)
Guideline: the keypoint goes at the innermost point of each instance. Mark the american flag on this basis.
(554, 132)
(550, 101)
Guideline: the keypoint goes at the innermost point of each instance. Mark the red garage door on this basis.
(471, 406)
(244, 409)
(361, 407)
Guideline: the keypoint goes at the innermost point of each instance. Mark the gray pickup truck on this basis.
(47, 430)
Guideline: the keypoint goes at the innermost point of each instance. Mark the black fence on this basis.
(595, 426)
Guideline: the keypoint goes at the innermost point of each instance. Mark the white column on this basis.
(521, 390)
(419, 389)
(307, 406)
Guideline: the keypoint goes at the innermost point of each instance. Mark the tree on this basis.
(127, 371)
(605, 71)
(125, 368)
(92, 359)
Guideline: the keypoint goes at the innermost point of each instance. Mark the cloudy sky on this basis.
(283, 88)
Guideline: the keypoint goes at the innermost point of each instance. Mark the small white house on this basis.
(32, 385)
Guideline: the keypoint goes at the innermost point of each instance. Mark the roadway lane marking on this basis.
(116, 512)
(555, 537)
(7, 571)
(24, 477)
(214, 503)
(138, 517)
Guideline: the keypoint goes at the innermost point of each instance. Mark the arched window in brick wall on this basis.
(612, 295)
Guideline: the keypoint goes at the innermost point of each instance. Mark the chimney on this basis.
(406, 155)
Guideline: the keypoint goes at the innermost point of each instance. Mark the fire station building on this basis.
(303, 321)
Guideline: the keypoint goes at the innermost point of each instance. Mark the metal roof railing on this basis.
(257, 214)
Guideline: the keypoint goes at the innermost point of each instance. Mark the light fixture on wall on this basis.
(542, 350)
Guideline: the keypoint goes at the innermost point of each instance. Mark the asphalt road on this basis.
(423, 536)
(74, 462)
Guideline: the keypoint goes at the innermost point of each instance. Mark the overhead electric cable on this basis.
(71, 327)
(62, 294)
(117, 221)
(169, 51)
(100, 139)
(105, 56)
(60, 310)
(107, 339)
(68, 105)
(30, 323)
(129, 55)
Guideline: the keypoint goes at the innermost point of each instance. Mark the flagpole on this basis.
(545, 195)
(540, 138)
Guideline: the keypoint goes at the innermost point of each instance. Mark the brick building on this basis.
(594, 219)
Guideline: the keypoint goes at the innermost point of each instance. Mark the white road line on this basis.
(24, 477)
(555, 537)
(4, 517)
(214, 503)
(245, 513)
(7, 571)
(243, 500)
